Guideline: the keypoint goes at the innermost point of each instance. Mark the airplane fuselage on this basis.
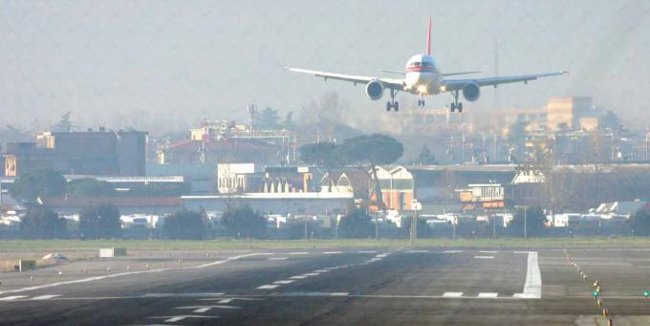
(422, 76)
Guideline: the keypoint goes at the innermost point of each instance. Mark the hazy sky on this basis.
(167, 64)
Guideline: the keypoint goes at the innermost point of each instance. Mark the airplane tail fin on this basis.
(429, 38)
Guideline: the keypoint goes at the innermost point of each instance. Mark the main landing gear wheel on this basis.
(392, 104)
(456, 104)
(453, 107)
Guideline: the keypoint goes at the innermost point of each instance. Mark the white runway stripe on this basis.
(332, 252)
(13, 297)
(284, 282)
(488, 295)
(488, 251)
(452, 294)
(298, 277)
(45, 297)
(533, 286)
(278, 258)
(298, 253)
(484, 257)
(268, 286)
(452, 251)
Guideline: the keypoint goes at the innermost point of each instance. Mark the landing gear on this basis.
(421, 102)
(456, 104)
(392, 104)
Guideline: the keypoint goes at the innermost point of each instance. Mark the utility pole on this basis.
(414, 221)
(453, 224)
(525, 222)
(494, 227)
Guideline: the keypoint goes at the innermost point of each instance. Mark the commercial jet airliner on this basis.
(422, 77)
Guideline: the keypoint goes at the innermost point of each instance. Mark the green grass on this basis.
(226, 244)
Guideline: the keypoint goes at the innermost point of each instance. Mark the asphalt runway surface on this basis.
(338, 287)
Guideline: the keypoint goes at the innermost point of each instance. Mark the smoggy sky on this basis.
(168, 64)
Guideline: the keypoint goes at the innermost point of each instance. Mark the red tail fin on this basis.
(429, 38)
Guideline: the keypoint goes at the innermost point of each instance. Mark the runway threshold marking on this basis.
(484, 257)
(298, 253)
(533, 285)
(452, 251)
(298, 277)
(332, 252)
(452, 294)
(488, 251)
(367, 251)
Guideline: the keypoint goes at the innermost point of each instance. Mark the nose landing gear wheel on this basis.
(392, 105)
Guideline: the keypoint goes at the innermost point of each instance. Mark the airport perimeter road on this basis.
(404, 287)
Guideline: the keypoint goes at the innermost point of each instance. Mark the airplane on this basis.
(423, 77)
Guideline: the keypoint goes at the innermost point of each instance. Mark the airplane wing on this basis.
(457, 84)
(394, 83)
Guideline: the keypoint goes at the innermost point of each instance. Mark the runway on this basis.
(354, 286)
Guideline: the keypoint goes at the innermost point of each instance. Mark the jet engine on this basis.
(471, 92)
(375, 89)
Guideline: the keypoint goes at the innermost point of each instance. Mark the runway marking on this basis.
(13, 297)
(332, 252)
(321, 271)
(522, 252)
(452, 294)
(484, 257)
(298, 253)
(182, 295)
(417, 251)
(533, 286)
(103, 277)
(173, 319)
(204, 309)
(311, 274)
(367, 251)
(229, 300)
(488, 251)
(452, 251)
(45, 297)
(278, 258)
(382, 255)
(284, 282)
(298, 277)
(488, 295)
(311, 294)
(268, 286)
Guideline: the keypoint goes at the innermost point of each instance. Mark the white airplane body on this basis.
(422, 77)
